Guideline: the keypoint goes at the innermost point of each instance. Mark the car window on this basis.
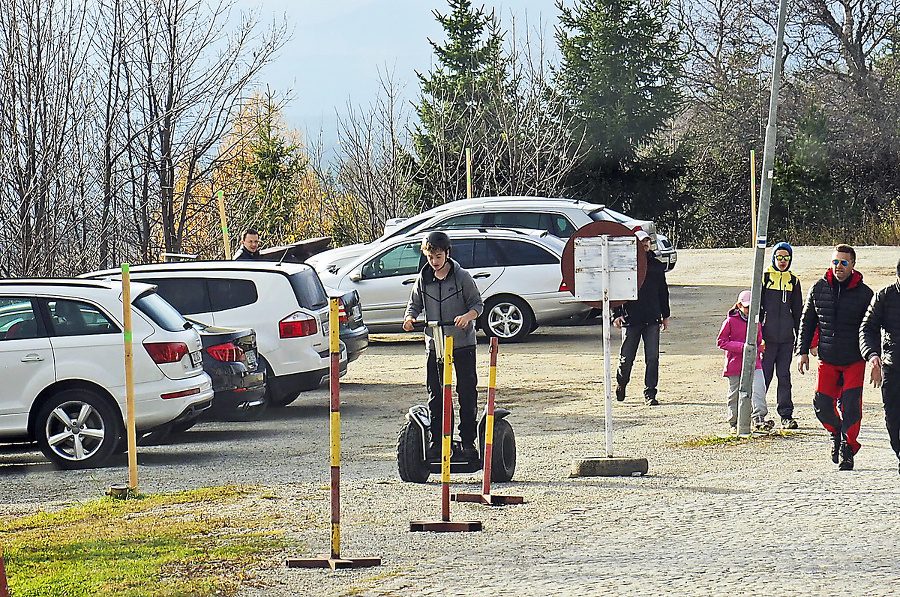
(75, 318)
(17, 319)
(161, 312)
(462, 250)
(401, 260)
(188, 295)
(229, 294)
(308, 289)
(517, 252)
(464, 221)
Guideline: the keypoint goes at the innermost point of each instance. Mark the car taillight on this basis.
(226, 352)
(181, 394)
(342, 312)
(297, 325)
(563, 287)
(166, 352)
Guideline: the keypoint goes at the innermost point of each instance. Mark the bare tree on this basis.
(45, 186)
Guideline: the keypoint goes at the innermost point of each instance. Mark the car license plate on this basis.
(251, 358)
(196, 359)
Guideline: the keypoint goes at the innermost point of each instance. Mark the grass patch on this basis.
(190, 543)
(730, 440)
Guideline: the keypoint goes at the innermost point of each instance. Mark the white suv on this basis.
(284, 303)
(558, 216)
(62, 355)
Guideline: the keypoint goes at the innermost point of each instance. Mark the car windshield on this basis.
(162, 313)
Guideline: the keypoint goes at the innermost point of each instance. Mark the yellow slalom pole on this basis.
(334, 378)
(447, 428)
(469, 172)
(752, 199)
(129, 379)
(224, 222)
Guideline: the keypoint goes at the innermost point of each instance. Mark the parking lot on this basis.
(768, 515)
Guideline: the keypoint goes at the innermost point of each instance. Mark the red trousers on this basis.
(838, 399)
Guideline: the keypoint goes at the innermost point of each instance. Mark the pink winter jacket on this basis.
(731, 339)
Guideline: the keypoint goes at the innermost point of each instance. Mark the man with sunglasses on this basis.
(878, 338)
(780, 308)
(836, 305)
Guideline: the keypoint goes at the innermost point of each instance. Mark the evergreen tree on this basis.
(620, 63)
(460, 99)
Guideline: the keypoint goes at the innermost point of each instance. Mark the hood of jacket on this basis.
(785, 247)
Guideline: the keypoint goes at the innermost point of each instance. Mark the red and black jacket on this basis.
(837, 309)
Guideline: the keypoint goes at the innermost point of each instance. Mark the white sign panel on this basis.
(622, 270)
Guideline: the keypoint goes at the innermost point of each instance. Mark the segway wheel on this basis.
(410, 458)
(503, 452)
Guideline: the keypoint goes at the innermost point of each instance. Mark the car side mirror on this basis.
(356, 275)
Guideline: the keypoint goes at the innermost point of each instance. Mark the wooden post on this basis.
(224, 222)
(469, 172)
(129, 379)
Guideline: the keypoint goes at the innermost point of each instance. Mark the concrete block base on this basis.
(609, 467)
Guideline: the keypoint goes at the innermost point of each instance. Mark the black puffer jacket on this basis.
(837, 310)
(883, 312)
(652, 304)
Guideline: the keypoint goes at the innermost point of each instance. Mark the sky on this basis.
(338, 47)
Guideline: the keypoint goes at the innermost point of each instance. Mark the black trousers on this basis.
(649, 333)
(466, 391)
(890, 396)
(777, 360)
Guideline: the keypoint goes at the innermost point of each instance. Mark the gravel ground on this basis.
(771, 514)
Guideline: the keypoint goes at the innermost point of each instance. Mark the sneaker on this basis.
(760, 426)
(768, 425)
(620, 393)
(468, 451)
(788, 423)
(835, 447)
(846, 457)
(651, 401)
(733, 429)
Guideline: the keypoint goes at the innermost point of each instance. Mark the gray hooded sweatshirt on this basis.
(444, 300)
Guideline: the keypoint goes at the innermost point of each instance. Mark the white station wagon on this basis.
(517, 272)
(63, 359)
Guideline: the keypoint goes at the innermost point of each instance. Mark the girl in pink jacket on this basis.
(732, 337)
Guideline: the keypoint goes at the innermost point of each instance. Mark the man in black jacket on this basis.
(249, 246)
(881, 352)
(779, 312)
(836, 305)
(643, 318)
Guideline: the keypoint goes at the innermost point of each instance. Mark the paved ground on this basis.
(771, 515)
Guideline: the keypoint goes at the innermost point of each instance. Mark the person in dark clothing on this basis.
(835, 305)
(643, 319)
(878, 338)
(779, 312)
(446, 292)
(249, 246)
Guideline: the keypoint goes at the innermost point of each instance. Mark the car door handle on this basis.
(408, 282)
(482, 275)
(28, 358)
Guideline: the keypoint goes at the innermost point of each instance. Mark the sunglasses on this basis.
(782, 258)
(843, 262)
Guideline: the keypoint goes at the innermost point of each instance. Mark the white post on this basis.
(607, 373)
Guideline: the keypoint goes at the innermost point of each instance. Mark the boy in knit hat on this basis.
(780, 307)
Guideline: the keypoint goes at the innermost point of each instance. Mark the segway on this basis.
(415, 437)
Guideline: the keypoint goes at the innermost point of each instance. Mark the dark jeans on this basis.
(466, 391)
(633, 334)
(890, 396)
(777, 359)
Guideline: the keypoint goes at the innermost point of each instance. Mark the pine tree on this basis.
(620, 62)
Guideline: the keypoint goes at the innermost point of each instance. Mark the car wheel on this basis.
(78, 429)
(508, 318)
(282, 400)
(410, 457)
(503, 452)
